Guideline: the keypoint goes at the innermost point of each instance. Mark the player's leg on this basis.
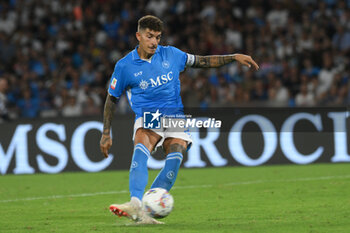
(144, 142)
(174, 148)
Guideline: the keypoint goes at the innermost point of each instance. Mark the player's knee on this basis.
(146, 137)
(176, 147)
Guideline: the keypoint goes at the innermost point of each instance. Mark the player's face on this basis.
(148, 40)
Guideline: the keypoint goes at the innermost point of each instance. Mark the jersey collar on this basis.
(136, 57)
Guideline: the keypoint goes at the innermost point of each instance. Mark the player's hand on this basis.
(246, 60)
(105, 144)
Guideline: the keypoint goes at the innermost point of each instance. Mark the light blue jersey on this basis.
(151, 84)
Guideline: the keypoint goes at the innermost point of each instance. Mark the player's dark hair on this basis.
(151, 22)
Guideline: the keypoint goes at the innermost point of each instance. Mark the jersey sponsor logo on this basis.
(113, 83)
(165, 64)
(143, 84)
(138, 73)
(162, 79)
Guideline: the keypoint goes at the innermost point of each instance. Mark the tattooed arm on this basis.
(215, 61)
(106, 141)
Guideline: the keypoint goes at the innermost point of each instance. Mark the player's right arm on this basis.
(115, 90)
(108, 112)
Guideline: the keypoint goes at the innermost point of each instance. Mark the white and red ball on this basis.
(157, 202)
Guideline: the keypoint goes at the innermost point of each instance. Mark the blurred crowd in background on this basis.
(57, 56)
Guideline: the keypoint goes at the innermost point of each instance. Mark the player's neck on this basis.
(143, 54)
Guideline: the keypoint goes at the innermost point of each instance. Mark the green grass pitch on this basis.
(288, 198)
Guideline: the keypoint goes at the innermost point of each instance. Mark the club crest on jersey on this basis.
(113, 83)
(143, 84)
(165, 64)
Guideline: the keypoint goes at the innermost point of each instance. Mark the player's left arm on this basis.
(215, 61)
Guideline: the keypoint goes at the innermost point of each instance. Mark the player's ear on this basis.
(138, 36)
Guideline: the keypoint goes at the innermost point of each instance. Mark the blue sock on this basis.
(138, 177)
(167, 176)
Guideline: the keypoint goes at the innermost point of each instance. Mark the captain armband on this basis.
(190, 60)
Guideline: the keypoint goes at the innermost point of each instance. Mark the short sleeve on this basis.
(180, 56)
(117, 83)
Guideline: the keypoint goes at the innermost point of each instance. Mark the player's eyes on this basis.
(150, 36)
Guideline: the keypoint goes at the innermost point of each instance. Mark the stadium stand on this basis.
(56, 57)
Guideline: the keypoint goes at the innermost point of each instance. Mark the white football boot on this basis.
(134, 212)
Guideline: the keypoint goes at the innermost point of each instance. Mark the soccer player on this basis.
(150, 76)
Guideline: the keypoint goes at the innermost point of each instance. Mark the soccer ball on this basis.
(157, 202)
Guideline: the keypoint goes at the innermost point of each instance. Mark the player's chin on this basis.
(151, 51)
